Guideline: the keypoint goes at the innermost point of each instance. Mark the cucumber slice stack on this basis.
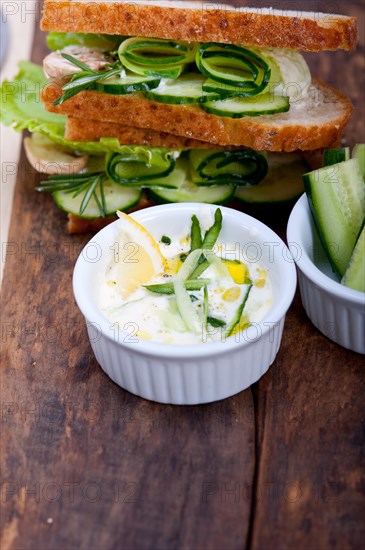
(355, 273)
(223, 79)
(336, 195)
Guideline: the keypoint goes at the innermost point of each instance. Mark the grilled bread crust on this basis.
(316, 121)
(203, 22)
(82, 225)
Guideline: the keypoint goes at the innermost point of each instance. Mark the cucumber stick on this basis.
(336, 196)
(358, 153)
(355, 273)
(333, 156)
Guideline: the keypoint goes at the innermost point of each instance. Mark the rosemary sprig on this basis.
(84, 79)
(92, 185)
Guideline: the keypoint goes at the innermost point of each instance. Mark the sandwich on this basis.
(181, 101)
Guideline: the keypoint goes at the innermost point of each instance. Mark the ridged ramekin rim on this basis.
(93, 315)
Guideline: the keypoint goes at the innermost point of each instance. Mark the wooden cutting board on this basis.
(87, 465)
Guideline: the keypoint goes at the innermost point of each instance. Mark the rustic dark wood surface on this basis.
(87, 465)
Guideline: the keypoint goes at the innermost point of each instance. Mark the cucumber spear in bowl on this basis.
(355, 273)
(336, 195)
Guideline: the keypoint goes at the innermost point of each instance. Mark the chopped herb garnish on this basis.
(237, 317)
(216, 323)
(165, 240)
(84, 79)
(211, 236)
(196, 235)
(168, 288)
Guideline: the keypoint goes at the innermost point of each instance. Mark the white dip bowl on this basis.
(337, 311)
(188, 374)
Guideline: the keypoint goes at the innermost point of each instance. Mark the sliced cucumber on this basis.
(333, 156)
(134, 166)
(161, 72)
(126, 85)
(171, 181)
(186, 89)
(116, 198)
(152, 56)
(187, 191)
(223, 90)
(265, 104)
(355, 273)
(358, 153)
(336, 195)
(283, 182)
(237, 167)
(151, 51)
(235, 66)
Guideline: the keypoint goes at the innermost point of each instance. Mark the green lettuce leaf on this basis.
(59, 40)
(21, 108)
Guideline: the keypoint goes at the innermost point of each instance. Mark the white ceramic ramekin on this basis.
(337, 311)
(192, 374)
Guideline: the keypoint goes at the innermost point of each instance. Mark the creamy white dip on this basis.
(155, 317)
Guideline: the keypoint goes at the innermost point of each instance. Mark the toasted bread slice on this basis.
(85, 129)
(81, 225)
(203, 22)
(316, 121)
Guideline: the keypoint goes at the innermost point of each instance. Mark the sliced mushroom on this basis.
(56, 66)
(49, 158)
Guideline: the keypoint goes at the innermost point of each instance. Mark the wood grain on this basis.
(104, 465)
(310, 418)
(309, 408)
(84, 463)
(88, 465)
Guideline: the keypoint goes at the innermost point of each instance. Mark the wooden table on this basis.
(87, 465)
